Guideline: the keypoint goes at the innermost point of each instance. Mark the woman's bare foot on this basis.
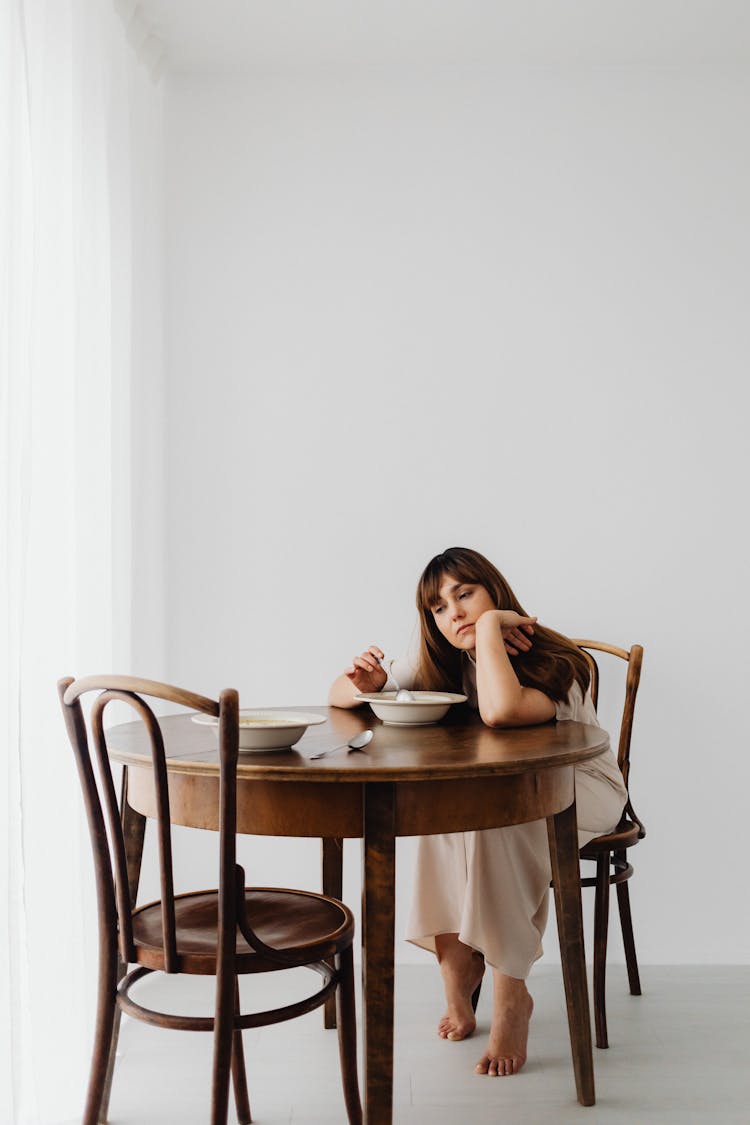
(511, 1013)
(462, 969)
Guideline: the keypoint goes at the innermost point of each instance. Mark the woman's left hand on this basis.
(516, 630)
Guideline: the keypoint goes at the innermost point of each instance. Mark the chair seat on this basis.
(296, 922)
(626, 835)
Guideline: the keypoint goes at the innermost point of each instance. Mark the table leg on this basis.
(333, 884)
(563, 848)
(378, 911)
(133, 830)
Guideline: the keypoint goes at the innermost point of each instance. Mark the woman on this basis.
(481, 897)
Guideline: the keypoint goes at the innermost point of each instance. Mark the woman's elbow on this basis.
(335, 699)
(497, 719)
(342, 695)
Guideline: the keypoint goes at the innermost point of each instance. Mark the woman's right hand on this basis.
(365, 673)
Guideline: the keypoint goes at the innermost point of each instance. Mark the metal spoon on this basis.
(357, 743)
(403, 695)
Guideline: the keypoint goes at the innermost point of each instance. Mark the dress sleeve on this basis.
(577, 706)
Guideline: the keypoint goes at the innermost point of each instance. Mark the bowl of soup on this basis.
(263, 729)
(424, 706)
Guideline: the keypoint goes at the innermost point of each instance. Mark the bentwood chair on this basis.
(228, 932)
(610, 852)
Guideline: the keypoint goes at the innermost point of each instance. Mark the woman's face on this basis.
(458, 609)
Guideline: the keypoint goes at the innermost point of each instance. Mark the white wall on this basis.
(408, 309)
(147, 437)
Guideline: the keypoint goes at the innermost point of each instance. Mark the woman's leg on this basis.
(491, 888)
(462, 969)
(511, 1013)
(477, 895)
(484, 895)
(598, 807)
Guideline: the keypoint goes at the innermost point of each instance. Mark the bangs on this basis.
(438, 569)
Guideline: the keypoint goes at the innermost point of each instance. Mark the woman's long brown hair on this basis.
(551, 665)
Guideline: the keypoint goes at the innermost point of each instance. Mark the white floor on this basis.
(678, 1054)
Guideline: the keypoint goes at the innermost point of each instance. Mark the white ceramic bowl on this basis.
(267, 729)
(426, 707)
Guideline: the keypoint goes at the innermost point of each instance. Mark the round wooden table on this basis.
(454, 776)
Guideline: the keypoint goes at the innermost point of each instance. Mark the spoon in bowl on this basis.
(403, 695)
(358, 742)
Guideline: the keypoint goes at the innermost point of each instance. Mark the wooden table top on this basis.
(459, 746)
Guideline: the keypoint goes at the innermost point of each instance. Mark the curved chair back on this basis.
(634, 658)
(100, 800)
(610, 850)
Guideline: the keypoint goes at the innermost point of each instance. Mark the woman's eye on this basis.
(438, 609)
(465, 594)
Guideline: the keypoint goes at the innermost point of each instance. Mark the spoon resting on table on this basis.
(358, 742)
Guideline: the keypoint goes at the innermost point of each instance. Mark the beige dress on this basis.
(492, 887)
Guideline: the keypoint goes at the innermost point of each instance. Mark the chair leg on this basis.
(105, 1022)
(601, 922)
(114, 1040)
(239, 1077)
(223, 1039)
(626, 923)
(133, 830)
(332, 851)
(346, 1020)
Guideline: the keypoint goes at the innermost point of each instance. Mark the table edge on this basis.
(327, 771)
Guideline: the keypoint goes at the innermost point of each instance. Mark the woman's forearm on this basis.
(503, 700)
(498, 689)
(342, 693)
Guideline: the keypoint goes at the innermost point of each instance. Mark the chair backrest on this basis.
(103, 813)
(633, 658)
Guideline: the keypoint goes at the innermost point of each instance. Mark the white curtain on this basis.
(72, 97)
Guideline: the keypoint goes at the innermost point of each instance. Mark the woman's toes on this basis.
(455, 1026)
(448, 1029)
(497, 1067)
